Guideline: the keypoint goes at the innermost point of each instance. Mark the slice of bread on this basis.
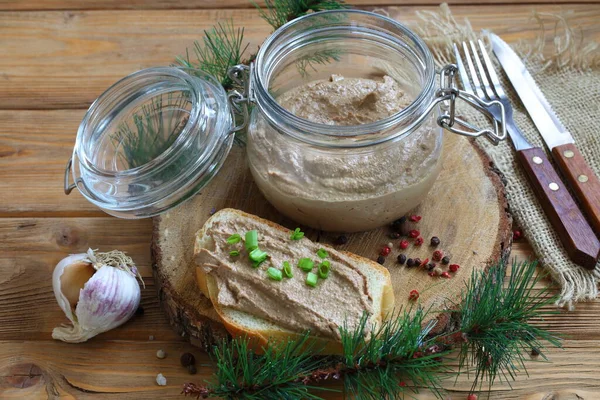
(240, 323)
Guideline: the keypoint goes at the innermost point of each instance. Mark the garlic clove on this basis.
(59, 285)
(74, 278)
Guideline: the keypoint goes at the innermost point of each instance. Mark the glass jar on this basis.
(156, 137)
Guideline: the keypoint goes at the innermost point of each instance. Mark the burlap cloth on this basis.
(567, 69)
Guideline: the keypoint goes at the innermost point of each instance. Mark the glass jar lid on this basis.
(151, 141)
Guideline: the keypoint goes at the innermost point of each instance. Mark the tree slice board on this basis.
(466, 209)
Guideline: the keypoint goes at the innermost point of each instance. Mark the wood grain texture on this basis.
(582, 180)
(566, 218)
(210, 4)
(67, 59)
(466, 185)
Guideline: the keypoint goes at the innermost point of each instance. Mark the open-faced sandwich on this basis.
(268, 282)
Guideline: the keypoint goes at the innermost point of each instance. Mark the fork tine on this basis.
(491, 71)
(464, 77)
(476, 83)
(484, 79)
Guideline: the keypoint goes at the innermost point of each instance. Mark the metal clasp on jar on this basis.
(448, 94)
(239, 100)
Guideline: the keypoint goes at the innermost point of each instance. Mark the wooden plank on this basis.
(127, 370)
(29, 250)
(7, 5)
(66, 59)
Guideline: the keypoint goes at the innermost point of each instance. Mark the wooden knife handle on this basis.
(582, 179)
(577, 236)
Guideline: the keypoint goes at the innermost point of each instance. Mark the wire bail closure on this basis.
(448, 93)
(239, 101)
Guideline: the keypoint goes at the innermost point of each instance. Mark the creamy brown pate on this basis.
(342, 189)
(341, 298)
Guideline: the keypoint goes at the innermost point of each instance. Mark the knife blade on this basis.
(580, 176)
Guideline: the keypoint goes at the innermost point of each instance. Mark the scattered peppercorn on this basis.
(453, 267)
(445, 274)
(413, 295)
(414, 233)
(397, 224)
(415, 218)
(446, 260)
(417, 262)
(535, 351)
(437, 271)
(381, 260)
(517, 234)
(472, 397)
(342, 239)
(192, 369)
(431, 273)
(394, 235)
(410, 262)
(418, 241)
(385, 251)
(187, 359)
(437, 255)
(401, 258)
(402, 384)
(435, 241)
(423, 263)
(139, 311)
(430, 266)
(403, 244)
(161, 354)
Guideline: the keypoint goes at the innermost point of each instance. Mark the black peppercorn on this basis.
(535, 351)
(394, 235)
(187, 359)
(342, 239)
(430, 266)
(381, 260)
(446, 260)
(410, 262)
(418, 261)
(192, 369)
(139, 311)
(401, 258)
(435, 241)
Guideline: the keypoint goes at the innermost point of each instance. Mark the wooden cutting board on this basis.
(466, 209)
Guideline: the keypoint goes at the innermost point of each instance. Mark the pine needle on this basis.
(279, 12)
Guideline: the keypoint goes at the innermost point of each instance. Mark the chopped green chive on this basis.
(306, 264)
(251, 240)
(322, 253)
(287, 270)
(297, 234)
(256, 264)
(234, 253)
(257, 255)
(274, 274)
(233, 239)
(311, 279)
(324, 268)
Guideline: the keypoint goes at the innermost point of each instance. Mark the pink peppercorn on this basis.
(453, 267)
(517, 234)
(385, 251)
(414, 233)
(472, 397)
(403, 244)
(402, 384)
(445, 274)
(437, 255)
(423, 263)
(415, 218)
(413, 295)
(418, 241)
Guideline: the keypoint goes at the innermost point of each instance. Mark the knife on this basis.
(580, 176)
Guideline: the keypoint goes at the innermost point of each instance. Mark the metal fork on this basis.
(562, 211)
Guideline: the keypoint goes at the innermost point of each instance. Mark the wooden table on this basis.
(57, 57)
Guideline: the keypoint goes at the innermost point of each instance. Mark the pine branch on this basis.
(279, 12)
(222, 48)
(496, 322)
(320, 57)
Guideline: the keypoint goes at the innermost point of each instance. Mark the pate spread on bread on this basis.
(251, 303)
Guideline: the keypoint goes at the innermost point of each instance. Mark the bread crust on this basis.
(259, 339)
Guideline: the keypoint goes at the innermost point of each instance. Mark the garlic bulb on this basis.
(96, 291)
